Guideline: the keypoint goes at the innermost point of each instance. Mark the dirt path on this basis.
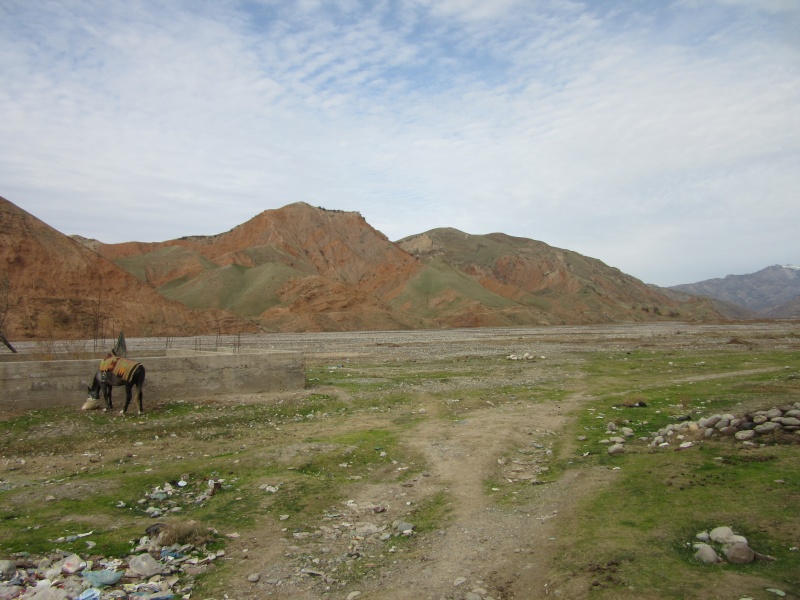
(488, 547)
(500, 551)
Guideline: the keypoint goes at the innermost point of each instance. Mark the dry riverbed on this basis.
(476, 496)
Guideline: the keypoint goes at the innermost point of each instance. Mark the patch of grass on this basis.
(430, 515)
(622, 371)
(384, 402)
(358, 456)
(632, 516)
(543, 462)
(304, 498)
(113, 502)
(321, 478)
(659, 404)
(645, 524)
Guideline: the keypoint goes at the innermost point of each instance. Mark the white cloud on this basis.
(621, 135)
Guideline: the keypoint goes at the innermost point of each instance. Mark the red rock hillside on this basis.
(57, 288)
(301, 268)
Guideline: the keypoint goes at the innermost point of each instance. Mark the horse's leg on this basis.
(140, 395)
(128, 395)
(107, 395)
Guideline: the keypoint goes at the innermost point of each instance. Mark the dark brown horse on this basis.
(110, 381)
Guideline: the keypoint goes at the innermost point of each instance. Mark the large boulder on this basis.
(739, 553)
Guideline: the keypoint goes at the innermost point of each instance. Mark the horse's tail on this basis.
(137, 375)
(137, 378)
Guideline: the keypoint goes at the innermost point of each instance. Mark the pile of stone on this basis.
(722, 540)
(152, 572)
(619, 435)
(784, 418)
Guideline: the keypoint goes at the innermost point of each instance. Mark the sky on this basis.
(661, 137)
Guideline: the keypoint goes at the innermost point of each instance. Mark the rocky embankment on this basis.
(745, 428)
(686, 433)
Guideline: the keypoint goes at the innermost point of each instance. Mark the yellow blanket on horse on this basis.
(124, 368)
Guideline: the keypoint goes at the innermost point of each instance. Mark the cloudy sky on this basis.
(659, 136)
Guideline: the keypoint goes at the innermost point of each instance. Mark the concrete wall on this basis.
(182, 374)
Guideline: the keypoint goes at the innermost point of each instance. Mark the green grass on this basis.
(432, 513)
(645, 523)
(694, 384)
(660, 501)
(636, 370)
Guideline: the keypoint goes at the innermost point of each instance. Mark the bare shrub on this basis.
(184, 532)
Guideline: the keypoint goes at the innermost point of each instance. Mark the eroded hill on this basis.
(302, 268)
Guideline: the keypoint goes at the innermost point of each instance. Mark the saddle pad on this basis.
(125, 369)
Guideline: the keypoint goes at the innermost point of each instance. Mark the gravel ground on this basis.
(393, 345)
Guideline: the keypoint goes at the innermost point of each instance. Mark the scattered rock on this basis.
(403, 527)
(616, 449)
(10, 591)
(706, 554)
(64, 575)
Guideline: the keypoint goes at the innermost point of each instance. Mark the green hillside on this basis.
(245, 291)
(441, 289)
(159, 263)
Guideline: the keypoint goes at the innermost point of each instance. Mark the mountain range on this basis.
(773, 292)
(305, 268)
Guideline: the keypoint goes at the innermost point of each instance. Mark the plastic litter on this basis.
(102, 578)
